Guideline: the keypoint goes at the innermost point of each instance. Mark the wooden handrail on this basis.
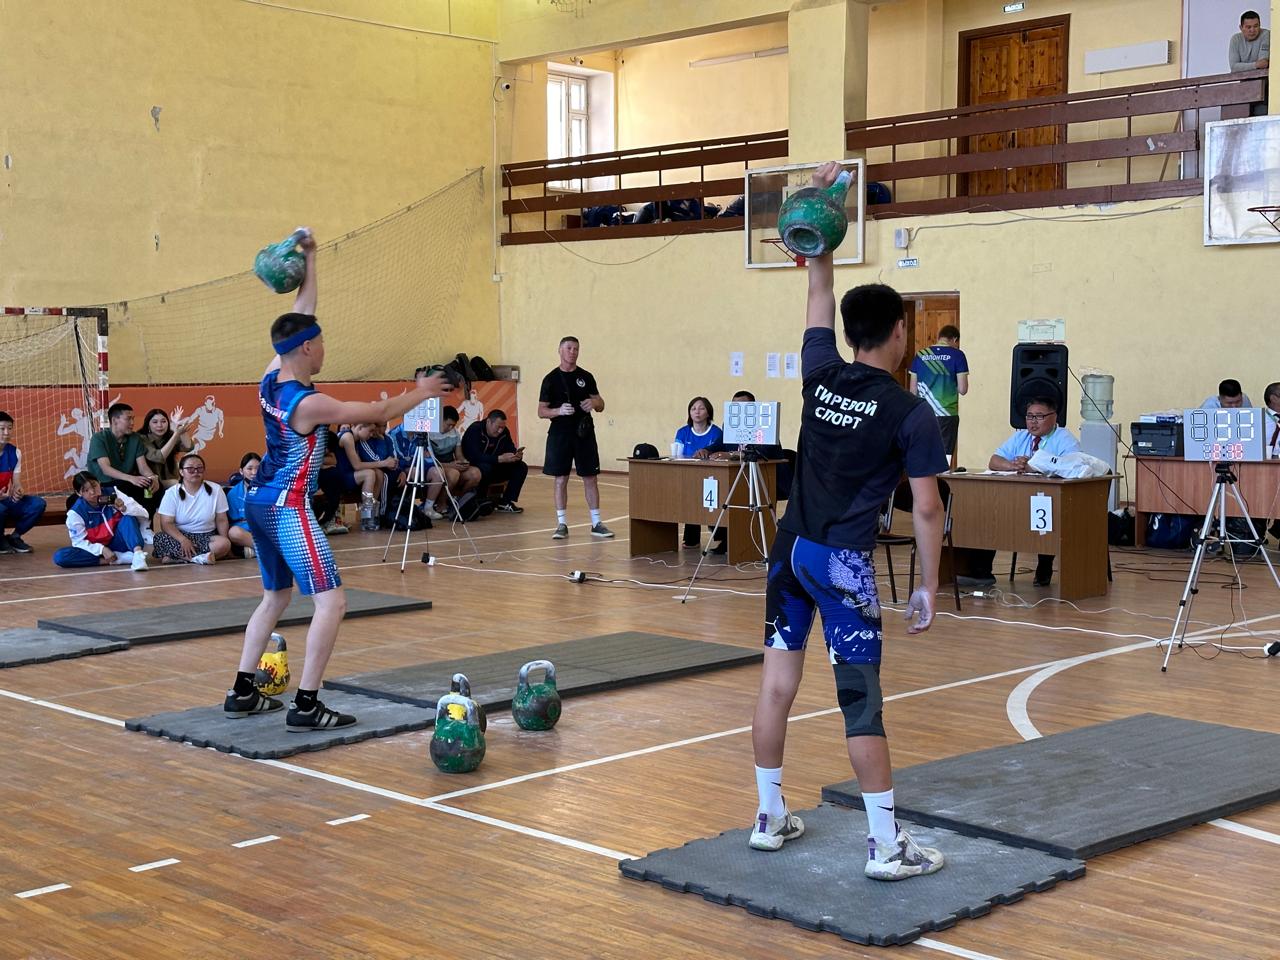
(660, 148)
(1102, 93)
(668, 191)
(565, 170)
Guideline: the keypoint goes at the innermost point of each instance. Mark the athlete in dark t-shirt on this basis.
(568, 398)
(859, 432)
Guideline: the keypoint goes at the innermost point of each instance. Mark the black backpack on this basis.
(481, 369)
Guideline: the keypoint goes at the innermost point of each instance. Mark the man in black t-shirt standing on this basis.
(859, 432)
(568, 398)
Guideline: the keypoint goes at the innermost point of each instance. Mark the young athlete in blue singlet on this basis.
(289, 543)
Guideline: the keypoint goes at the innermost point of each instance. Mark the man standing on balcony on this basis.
(1251, 50)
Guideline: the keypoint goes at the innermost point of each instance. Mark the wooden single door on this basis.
(1015, 62)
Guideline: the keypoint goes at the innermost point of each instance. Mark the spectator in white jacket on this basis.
(104, 526)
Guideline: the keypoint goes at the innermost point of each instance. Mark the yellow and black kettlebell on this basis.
(457, 744)
(462, 685)
(272, 676)
(536, 706)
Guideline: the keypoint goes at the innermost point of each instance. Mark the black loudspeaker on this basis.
(1039, 370)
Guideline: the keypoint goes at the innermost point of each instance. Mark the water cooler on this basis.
(1097, 438)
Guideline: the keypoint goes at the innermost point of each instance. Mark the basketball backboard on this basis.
(1241, 180)
(766, 189)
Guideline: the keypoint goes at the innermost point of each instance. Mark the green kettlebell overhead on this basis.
(462, 685)
(536, 706)
(281, 266)
(813, 222)
(457, 743)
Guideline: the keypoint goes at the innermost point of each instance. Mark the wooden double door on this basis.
(1014, 62)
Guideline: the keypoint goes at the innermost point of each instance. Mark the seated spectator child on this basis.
(238, 532)
(363, 464)
(161, 444)
(404, 447)
(104, 527)
(327, 500)
(17, 509)
(461, 476)
(193, 518)
(698, 433)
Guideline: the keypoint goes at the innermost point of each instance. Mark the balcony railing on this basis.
(1121, 143)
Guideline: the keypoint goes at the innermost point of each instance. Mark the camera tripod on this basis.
(757, 503)
(416, 481)
(1216, 513)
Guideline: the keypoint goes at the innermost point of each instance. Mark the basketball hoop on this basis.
(1269, 214)
(799, 260)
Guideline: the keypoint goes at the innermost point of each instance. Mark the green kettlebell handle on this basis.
(473, 715)
(461, 685)
(290, 243)
(546, 666)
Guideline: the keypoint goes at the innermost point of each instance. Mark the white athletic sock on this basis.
(126, 557)
(769, 786)
(880, 820)
(562, 516)
(595, 518)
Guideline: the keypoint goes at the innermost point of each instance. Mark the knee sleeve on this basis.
(860, 699)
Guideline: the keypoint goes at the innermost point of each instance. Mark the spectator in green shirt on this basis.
(117, 456)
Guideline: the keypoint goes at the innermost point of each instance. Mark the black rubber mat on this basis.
(25, 645)
(816, 881)
(186, 620)
(264, 736)
(582, 666)
(1092, 790)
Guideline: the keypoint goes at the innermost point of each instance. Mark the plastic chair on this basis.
(904, 501)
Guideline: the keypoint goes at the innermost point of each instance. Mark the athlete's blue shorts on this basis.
(290, 545)
(806, 577)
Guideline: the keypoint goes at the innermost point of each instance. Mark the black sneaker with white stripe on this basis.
(249, 704)
(318, 717)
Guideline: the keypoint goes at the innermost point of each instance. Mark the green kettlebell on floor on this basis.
(281, 266)
(536, 706)
(813, 222)
(462, 685)
(457, 744)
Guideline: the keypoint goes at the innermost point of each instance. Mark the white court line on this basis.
(38, 891)
(948, 948)
(255, 841)
(61, 708)
(1247, 830)
(154, 865)
(452, 811)
(351, 819)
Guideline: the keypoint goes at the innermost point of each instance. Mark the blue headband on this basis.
(297, 340)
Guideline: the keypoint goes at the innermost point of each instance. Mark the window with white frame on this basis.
(567, 117)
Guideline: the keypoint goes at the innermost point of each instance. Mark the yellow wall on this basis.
(534, 30)
(1140, 296)
(267, 118)
(661, 99)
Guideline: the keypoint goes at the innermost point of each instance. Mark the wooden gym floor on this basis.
(117, 844)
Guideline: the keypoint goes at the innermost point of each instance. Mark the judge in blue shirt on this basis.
(1042, 433)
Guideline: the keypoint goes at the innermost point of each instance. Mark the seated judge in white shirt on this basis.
(1229, 395)
(193, 518)
(1272, 399)
(1042, 433)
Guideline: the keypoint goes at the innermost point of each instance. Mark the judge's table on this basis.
(1032, 514)
(1174, 485)
(664, 494)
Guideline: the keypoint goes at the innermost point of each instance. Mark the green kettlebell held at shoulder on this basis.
(813, 222)
(281, 266)
(536, 706)
(457, 743)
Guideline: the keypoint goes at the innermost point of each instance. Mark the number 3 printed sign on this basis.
(1041, 513)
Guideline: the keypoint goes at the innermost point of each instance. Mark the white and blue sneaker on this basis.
(770, 833)
(902, 859)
